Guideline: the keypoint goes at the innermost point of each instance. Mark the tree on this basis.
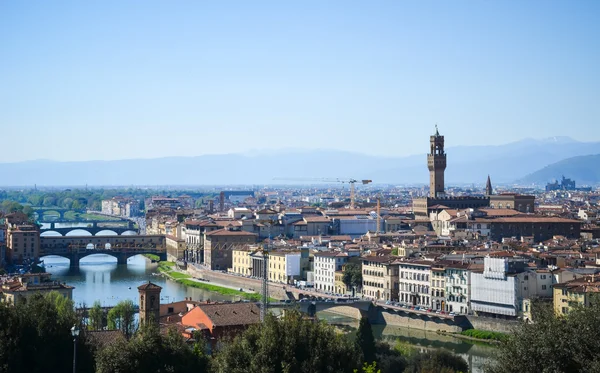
(437, 361)
(67, 202)
(49, 201)
(122, 317)
(389, 360)
(365, 341)
(36, 336)
(352, 276)
(553, 343)
(369, 368)
(96, 317)
(291, 344)
(149, 351)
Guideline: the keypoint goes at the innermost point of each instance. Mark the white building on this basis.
(325, 265)
(355, 226)
(239, 212)
(495, 291)
(458, 286)
(413, 282)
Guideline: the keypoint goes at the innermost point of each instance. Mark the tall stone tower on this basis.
(149, 303)
(488, 187)
(436, 162)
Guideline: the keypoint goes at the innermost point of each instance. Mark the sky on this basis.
(82, 80)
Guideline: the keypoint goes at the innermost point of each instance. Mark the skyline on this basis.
(114, 80)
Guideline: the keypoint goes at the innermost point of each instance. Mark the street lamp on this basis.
(75, 334)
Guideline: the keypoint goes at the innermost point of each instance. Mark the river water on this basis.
(475, 354)
(100, 278)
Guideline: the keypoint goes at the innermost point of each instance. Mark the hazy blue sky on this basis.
(136, 79)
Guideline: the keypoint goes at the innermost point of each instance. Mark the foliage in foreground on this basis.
(122, 317)
(553, 344)
(436, 361)
(35, 336)
(149, 351)
(41, 327)
(291, 344)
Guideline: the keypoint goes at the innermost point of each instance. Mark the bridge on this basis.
(355, 309)
(41, 211)
(94, 227)
(121, 247)
(380, 313)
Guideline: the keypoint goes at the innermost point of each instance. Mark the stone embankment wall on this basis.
(219, 278)
(379, 316)
(491, 324)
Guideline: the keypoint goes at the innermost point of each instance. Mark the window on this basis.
(543, 287)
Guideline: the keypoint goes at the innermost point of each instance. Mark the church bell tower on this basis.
(436, 162)
(149, 303)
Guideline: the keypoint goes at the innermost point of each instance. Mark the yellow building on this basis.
(339, 286)
(277, 267)
(437, 284)
(380, 278)
(242, 262)
(284, 266)
(575, 292)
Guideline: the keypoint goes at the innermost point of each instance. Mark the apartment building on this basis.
(380, 277)
(458, 287)
(21, 288)
(218, 245)
(22, 242)
(326, 263)
(284, 267)
(578, 292)
(241, 261)
(414, 282)
(438, 287)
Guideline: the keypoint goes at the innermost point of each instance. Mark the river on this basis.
(100, 278)
(476, 354)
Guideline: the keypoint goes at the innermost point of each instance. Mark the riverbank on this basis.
(170, 270)
(478, 336)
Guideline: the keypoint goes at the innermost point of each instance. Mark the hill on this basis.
(583, 169)
(466, 165)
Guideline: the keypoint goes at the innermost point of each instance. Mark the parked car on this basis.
(452, 314)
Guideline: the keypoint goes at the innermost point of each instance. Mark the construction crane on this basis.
(336, 180)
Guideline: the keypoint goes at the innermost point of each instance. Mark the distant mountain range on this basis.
(583, 169)
(466, 164)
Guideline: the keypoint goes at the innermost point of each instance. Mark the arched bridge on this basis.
(41, 211)
(122, 247)
(355, 309)
(94, 228)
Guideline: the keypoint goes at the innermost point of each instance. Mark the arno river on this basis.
(100, 278)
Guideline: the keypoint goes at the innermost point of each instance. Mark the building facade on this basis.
(414, 282)
(326, 263)
(22, 243)
(21, 288)
(458, 288)
(438, 287)
(380, 278)
(577, 292)
(218, 247)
